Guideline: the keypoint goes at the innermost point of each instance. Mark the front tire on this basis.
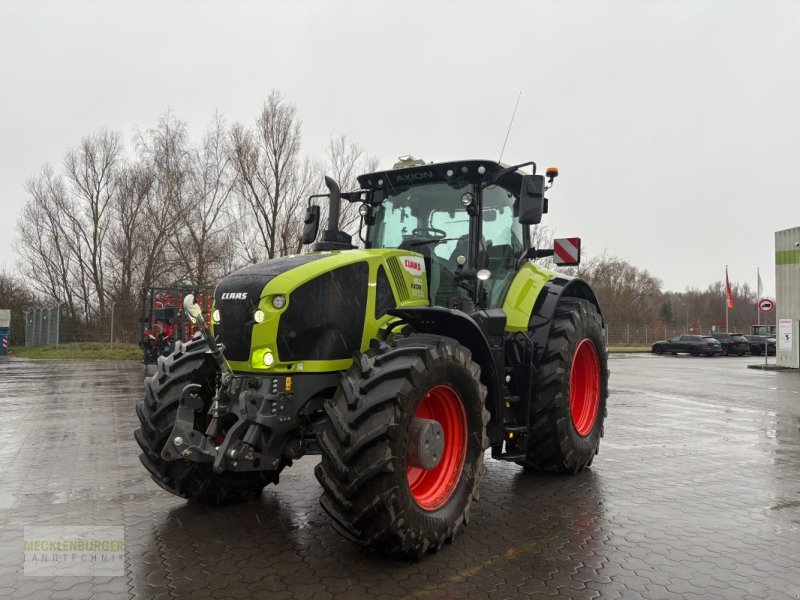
(189, 363)
(375, 490)
(570, 387)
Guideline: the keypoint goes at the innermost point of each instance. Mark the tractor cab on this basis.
(463, 217)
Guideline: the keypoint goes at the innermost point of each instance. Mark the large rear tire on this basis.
(570, 388)
(188, 363)
(375, 488)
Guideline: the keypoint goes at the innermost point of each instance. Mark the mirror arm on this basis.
(495, 177)
(532, 254)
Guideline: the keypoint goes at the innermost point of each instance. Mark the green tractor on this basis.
(400, 363)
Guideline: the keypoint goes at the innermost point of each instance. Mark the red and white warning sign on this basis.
(567, 251)
(766, 305)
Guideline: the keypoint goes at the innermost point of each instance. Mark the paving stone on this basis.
(690, 497)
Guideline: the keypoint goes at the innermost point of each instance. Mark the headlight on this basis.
(467, 199)
(215, 315)
(363, 210)
(269, 359)
(278, 301)
(258, 316)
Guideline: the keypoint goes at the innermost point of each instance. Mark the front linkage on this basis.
(264, 413)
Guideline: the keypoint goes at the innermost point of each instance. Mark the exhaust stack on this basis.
(336, 199)
(332, 238)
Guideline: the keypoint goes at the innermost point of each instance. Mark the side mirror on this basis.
(531, 199)
(311, 224)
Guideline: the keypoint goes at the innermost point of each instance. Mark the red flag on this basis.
(728, 293)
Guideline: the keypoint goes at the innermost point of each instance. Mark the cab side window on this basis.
(501, 241)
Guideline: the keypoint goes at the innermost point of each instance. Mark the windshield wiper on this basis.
(431, 241)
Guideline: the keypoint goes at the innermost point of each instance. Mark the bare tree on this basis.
(47, 261)
(128, 239)
(272, 180)
(91, 169)
(346, 160)
(202, 240)
(165, 151)
(626, 293)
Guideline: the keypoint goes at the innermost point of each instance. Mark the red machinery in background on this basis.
(162, 321)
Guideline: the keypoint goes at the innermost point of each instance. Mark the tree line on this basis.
(107, 221)
(632, 296)
(104, 224)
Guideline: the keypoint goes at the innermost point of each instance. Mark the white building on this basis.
(787, 301)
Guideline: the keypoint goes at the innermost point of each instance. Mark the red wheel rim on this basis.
(584, 387)
(432, 489)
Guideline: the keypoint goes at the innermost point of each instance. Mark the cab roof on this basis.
(445, 171)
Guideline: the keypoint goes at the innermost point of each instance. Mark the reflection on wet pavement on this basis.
(695, 493)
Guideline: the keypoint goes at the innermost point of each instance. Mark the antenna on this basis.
(503, 149)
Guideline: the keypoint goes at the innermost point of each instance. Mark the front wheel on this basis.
(570, 387)
(189, 363)
(402, 449)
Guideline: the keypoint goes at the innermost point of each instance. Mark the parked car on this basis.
(691, 344)
(732, 343)
(757, 344)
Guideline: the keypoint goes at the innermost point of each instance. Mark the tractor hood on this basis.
(291, 312)
(238, 296)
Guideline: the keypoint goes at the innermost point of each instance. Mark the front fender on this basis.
(464, 329)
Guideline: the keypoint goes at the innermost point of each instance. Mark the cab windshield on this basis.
(431, 219)
(423, 215)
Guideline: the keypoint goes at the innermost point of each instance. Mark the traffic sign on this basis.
(766, 305)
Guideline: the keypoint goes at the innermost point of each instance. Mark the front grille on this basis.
(325, 316)
(235, 329)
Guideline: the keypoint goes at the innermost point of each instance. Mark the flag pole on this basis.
(727, 330)
(758, 295)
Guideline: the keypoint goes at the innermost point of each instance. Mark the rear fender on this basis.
(541, 319)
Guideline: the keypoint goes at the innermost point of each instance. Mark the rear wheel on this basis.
(570, 387)
(402, 450)
(189, 363)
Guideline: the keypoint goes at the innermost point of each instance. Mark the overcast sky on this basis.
(675, 125)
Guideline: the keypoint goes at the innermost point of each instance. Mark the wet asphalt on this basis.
(695, 494)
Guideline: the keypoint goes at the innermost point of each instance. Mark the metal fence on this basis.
(647, 334)
(42, 326)
(51, 326)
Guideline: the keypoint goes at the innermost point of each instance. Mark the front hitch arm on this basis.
(185, 441)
